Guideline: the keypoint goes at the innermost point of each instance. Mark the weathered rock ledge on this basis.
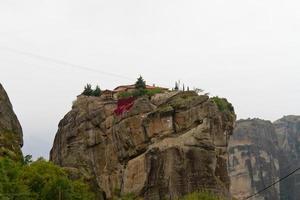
(164, 147)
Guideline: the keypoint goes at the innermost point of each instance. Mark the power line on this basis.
(62, 62)
(279, 180)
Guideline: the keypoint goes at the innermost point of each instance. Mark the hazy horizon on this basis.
(246, 51)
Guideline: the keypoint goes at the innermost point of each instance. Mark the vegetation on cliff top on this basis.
(39, 180)
(88, 91)
(223, 104)
(139, 93)
(140, 90)
(140, 83)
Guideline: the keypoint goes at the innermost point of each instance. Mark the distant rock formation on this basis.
(164, 147)
(11, 136)
(288, 134)
(260, 153)
(254, 159)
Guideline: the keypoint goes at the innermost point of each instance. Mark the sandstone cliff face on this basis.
(11, 137)
(288, 132)
(254, 159)
(164, 147)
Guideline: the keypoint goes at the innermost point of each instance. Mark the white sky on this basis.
(247, 51)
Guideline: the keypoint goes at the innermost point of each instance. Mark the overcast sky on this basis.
(244, 50)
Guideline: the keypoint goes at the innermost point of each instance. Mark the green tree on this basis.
(97, 91)
(140, 83)
(10, 186)
(40, 180)
(88, 91)
(48, 181)
(27, 159)
(176, 86)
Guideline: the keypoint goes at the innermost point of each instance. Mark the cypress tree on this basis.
(87, 90)
(140, 83)
(176, 86)
(97, 91)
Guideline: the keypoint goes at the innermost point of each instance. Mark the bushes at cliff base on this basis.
(40, 180)
(201, 196)
(204, 195)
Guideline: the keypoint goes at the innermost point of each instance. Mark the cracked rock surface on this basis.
(164, 147)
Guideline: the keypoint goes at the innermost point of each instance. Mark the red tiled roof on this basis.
(133, 87)
(106, 91)
(125, 87)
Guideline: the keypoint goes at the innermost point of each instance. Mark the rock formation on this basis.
(288, 133)
(164, 147)
(260, 152)
(254, 159)
(11, 137)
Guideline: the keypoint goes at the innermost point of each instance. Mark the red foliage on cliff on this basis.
(124, 105)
